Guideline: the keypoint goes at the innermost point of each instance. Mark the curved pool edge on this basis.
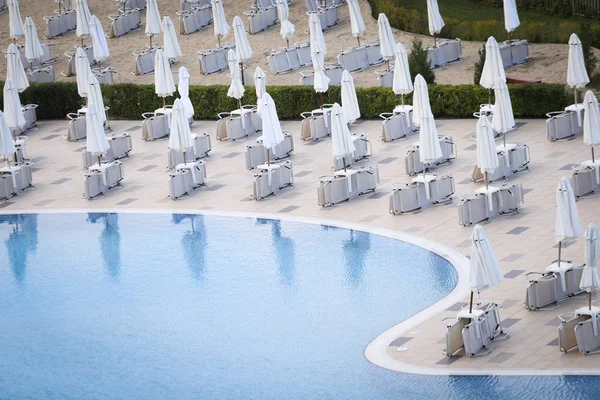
(375, 351)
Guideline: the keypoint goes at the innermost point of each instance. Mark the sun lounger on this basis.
(202, 147)
(20, 177)
(445, 52)
(133, 4)
(41, 75)
(3, 7)
(125, 22)
(238, 124)
(77, 127)
(71, 68)
(290, 58)
(47, 57)
(214, 60)
(105, 75)
(362, 150)
(261, 18)
(347, 185)
(414, 196)
(550, 288)
(316, 124)
(7, 189)
(587, 332)
(564, 124)
(585, 178)
(256, 153)
(154, 126)
(398, 124)
(59, 24)
(485, 205)
(514, 53)
(270, 179)
(21, 150)
(512, 159)
(180, 184)
(100, 178)
(354, 58)
(412, 158)
(385, 78)
(194, 19)
(328, 16)
(566, 330)
(90, 159)
(332, 71)
(197, 171)
(30, 117)
(144, 61)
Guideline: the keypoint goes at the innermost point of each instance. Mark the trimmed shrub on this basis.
(418, 62)
(129, 101)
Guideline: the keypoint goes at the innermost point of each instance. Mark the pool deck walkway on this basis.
(523, 242)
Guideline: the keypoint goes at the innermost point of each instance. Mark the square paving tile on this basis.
(508, 303)
(508, 322)
(512, 257)
(49, 137)
(61, 181)
(68, 169)
(370, 218)
(133, 128)
(448, 360)
(61, 129)
(132, 188)
(400, 341)
(520, 124)
(147, 168)
(288, 209)
(292, 195)
(465, 181)
(518, 230)
(302, 173)
(303, 161)
(554, 342)
(554, 322)
(568, 167)
(152, 156)
(555, 154)
(378, 195)
(126, 201)
(38, 159)
(6, 204)
(471, 147)
(500, 358)
(232, 155)
(43, 203)
(513, 274)
(456, 306)
(387, 160)
(213, 188)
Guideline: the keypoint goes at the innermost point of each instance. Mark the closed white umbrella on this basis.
(180, 136)
(511, 16)
(341, 139)
(316, 33)
(493, 68)
(236, 88)
(434, 18)
(287, 29)
(590, 278)
(153, 25)
(14, 68)
(95, 97)
(503, 120)
(183, 87)
(484, 271)
(271, 127)
(421, 104)
(567, 227)
(84, 17)
(487, 158)
(429, 145)
(101, 51)
(82, 66)
(164, 85)
(243, 50)
(577, 76)
(591, 122)
(387, 43)
(171, 45)
(349, 100)
(13, 111)
(402, 83)
(15, 22)
(321, 81)
(220, 26)
(96, 141)
(7, 144)
(33, 47)
(260, 87)
(357, 25)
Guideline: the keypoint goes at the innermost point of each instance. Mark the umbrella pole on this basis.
(388, 64)
(100, 160)
(424, 175)
(575, 94)
(242, 73)
(559, 251)
(510, 47)
(82, 42)
(184, 161)
(490, 96)
(268, 157)
(486, 180)
(321, 99)
(504, 140)
(593, 157)
(344, 161)
(150, 41)
(590, 299)
(471, 303)
(218, 41)
(164, 104)
(358, 39)
(403, 100)
(434, 41)
(287, 41)
(240, 105)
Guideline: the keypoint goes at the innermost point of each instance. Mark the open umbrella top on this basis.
(96, 141)
(84, 17)
(15, 22)
(14, 68)
(180, 137)
(357, 25)
(511, 16)
(236, 89)
(101, 51)
(242, 46)
(271, 127)
(164, 85)
(429, 142)
(13, 111)
(349, 100)
(82, 66)
(484, 269)
(341, 139)
(493, 68)
(316, 33)
(7, 144)
(434, 18)
(402, 83)
(387, 43)
(487, 158)
(590, 279)
(503, 120)
(321, 81)
(287, 29)
(220, 25)
(591, 120)
(33, 47)
(183, 87)
(568, 227)
(577, 75)
(421, 104)
(153, 25)
(171, 45)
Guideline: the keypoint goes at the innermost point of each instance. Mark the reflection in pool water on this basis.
(133, 306)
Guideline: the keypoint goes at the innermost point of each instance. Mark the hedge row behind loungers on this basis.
(129, 101)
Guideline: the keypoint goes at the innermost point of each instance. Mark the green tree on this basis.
(591, 61)
(418, 62)
(479, 66)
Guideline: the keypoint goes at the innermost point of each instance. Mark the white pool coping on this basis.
(375, 352)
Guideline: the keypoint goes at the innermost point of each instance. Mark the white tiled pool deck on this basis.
(523, 242)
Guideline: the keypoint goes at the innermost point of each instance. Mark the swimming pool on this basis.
(160, 306)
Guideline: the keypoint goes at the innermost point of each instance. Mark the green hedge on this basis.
(129, 101)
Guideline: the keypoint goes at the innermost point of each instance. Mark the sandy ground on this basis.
(548, 61)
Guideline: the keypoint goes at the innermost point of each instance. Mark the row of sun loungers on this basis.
(360, 57)
(512, 158)
(214, 60)
(420, 193)
(61, 23)
(444, 52)
(261, 18)
(270, 179)
(124, 22)
(565, 124)
(332, 71)
(290, 58)
(580, 329)
(397, 124)
(194, 18)
(412, 159)
(256, 154)
(100, 178)
(347, 185)
(238, 123)
(485, 204)
(202, 146)
(15, 179)
(186, 178)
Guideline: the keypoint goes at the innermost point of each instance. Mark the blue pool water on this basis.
(132, 306)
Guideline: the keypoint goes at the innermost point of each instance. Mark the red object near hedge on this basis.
(515, 79)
